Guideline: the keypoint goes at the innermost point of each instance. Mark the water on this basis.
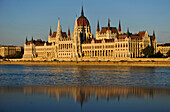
(84, 88)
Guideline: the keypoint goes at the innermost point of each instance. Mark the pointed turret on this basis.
(26, 40)
(82, 12)
(153, 33)
(153, 37)
(76, 25)
(98, 27)
(68, 31)
(32, 40)
(59, 27)
(108, 28)
(120, 27)
(128, 32)
(50, 33)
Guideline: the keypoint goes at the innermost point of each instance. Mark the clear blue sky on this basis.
(21, 18)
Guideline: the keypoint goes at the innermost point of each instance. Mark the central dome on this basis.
(82, 20)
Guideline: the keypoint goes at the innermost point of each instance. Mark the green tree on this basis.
(168, 53)
(148, 51)
(159, 55)
(1, 57)
(16, 55)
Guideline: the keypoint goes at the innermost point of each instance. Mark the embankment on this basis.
(116, 63)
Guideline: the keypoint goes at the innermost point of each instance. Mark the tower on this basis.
(68, 32)
(108, 27)
(58, 29)
(98, 27)
(119, 28)
(26, 40)
(50, 33)
(128, 32)
(83, 24)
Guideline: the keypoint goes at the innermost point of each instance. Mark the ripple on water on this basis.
(14, 75)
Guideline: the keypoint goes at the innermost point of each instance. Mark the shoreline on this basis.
(65, 63)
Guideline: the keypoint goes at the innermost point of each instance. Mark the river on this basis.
(84, 88)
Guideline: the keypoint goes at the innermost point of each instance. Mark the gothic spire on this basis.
(59, 27)
(98, 27)
(154, 33)
(128, 32)
(76, 22)
(119, 26)
(108, 28)
(68, 31)
(50, 33)
(26, 40)
(32, 40)
(82, 12)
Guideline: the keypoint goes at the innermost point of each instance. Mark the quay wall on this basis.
(118, 63)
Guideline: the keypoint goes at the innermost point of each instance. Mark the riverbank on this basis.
(54, 63)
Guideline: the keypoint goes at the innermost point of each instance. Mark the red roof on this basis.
(142, 33)
(104, 29)
(54, 35)
(153, 37)
(82, 20)
(98, 41)
(49, 43)
(63, 34)
(136, 37)
(109, 40)
(122, 36)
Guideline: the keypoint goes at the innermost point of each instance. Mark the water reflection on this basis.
(84, 98)
(83, 94)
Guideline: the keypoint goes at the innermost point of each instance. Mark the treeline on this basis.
(14, 56)
(149, 53)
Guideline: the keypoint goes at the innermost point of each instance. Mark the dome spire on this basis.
(82, 12)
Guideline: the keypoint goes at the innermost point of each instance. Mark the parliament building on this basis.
(110, 44)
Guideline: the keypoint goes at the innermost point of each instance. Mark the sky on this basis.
(21, 18)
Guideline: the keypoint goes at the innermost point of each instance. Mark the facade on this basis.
(9, 50)
(110, 44)
(163, 48)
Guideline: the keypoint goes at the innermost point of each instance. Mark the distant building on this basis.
(110, 44)
(163, 48)
(9, 50)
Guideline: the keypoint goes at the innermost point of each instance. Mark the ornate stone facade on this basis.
(110, 44)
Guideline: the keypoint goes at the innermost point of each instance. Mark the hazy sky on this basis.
(21, 18)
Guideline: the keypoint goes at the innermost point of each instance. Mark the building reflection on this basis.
(83, 94)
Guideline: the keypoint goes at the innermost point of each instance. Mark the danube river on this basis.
(84, 88)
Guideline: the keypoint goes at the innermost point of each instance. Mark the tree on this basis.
(16, 55)
(1, 57)
(148, 51)
(168, 53)
(159, 55)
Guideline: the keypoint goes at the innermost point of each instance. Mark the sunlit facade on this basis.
(110, 44)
